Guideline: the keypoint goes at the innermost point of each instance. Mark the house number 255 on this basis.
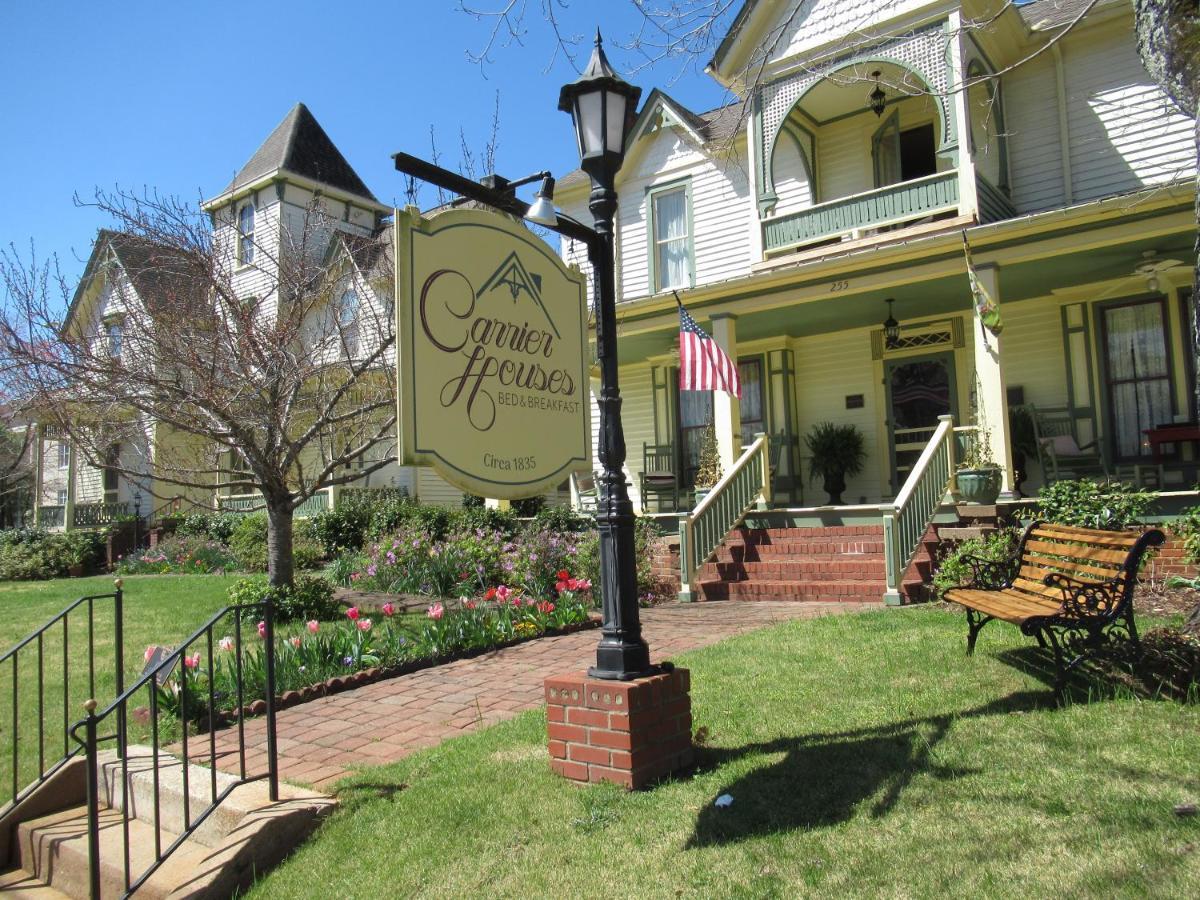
(838, 286)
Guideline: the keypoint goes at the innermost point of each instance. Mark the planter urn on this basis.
(979, 486)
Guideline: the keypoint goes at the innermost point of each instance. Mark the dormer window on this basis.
(671, 258)
(246, 234)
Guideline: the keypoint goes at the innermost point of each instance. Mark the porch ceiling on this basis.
(925, 298)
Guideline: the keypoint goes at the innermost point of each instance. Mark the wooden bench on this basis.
(1067, 587)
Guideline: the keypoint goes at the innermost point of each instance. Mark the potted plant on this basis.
(1023, 440)
(837, 451)
(978, 475)
(709, 472)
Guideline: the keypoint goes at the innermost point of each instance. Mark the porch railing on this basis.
(248, 503)
(871, 209)
(52, 642)
(747, 483)
(906, 519)
(94, 515)
(52, 516)
(197, 706)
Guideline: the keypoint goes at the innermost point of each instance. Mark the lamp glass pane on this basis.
(588, 123)
(615, 139)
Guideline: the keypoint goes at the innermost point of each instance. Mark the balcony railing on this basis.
(889, 205)
(52, 516)
(95, 515)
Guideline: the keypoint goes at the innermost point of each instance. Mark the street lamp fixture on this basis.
(541, 211)
(603, 107)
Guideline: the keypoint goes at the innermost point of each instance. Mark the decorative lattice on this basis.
(922, 52)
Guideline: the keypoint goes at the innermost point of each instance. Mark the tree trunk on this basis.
(279, 540)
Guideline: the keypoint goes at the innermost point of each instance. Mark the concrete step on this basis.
(139, 769)
(19, 883)
(54, 850)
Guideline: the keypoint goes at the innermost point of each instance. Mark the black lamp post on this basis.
(603, 107)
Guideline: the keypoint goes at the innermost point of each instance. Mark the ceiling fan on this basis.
(1150, 267)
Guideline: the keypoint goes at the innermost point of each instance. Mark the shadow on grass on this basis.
(823, 778)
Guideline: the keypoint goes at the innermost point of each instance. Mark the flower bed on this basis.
(317, 658)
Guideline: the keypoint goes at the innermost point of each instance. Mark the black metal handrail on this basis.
(91, 739)
(39, 639)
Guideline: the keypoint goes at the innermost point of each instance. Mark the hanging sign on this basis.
(491, 336)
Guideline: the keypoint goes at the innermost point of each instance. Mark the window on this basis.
(62, 497)
(64, 454)
(111, 475)
(751, 406)
(671, 238)
(347, 321)
(246, 234)
(113, 330)
(1138, 373)
(695, 415)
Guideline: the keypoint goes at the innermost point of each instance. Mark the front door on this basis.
(919, 389)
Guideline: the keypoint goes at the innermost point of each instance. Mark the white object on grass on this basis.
(724, 800)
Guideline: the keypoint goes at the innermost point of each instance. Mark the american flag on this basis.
(703, 365)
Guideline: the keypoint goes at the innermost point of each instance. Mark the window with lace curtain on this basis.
(672, 260)
(1138, 374)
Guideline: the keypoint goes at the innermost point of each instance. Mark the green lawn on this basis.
(159, 609)
(866, 757)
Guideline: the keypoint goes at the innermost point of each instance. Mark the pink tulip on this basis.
(262, 630)
(352, 614)
(502, 593)
(364, 624)
(436, 611)
(226, 644)
(294, 641)
(149, 653)
(388, 609)
(469, 604)
(193, 661)
(313, 626)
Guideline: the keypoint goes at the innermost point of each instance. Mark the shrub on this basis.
(309, 597)
(1110, 505)
(180, 554)
(501, 520)
(528, 506)
(215, 526)
(249, 544)
(344, 567)
(651, 589)
(1187, 529)
(28, 554)
(953, 571)
(562, 519)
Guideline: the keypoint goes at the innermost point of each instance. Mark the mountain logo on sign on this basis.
(513, 275)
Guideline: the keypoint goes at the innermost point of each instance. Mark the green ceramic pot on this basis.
(978, 485)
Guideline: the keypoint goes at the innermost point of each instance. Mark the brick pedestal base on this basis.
(627, 732)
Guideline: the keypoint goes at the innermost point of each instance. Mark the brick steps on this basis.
(837, 563)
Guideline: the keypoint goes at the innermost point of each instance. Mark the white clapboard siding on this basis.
(720, 211)
(1124, 132)
(1030, 97)
(792, 185)
(1033, 351)
(434, 491)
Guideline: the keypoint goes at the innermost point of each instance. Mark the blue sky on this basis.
(177, 96)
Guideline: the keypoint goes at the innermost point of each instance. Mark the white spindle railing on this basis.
(906, 519)
(745, 485)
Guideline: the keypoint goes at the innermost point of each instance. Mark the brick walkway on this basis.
(320, 741)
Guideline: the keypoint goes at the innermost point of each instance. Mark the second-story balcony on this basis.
(894, 204)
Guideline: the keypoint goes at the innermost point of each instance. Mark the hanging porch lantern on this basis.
(891, 328)
(877, 98)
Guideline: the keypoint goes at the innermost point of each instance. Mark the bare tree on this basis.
(284, 391)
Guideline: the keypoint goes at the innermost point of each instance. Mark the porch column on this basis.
(39, 471)
(727, 410)
(990, 390)
(69, 509)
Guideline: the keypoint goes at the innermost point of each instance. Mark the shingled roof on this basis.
(299, 145)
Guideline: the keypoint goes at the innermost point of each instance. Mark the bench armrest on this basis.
(992, 574)
(1087, 599)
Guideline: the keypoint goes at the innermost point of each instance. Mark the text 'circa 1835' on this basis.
(492, 354)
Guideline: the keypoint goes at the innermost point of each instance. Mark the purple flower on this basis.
(391, 558)
(371, 570)
(347, 660)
